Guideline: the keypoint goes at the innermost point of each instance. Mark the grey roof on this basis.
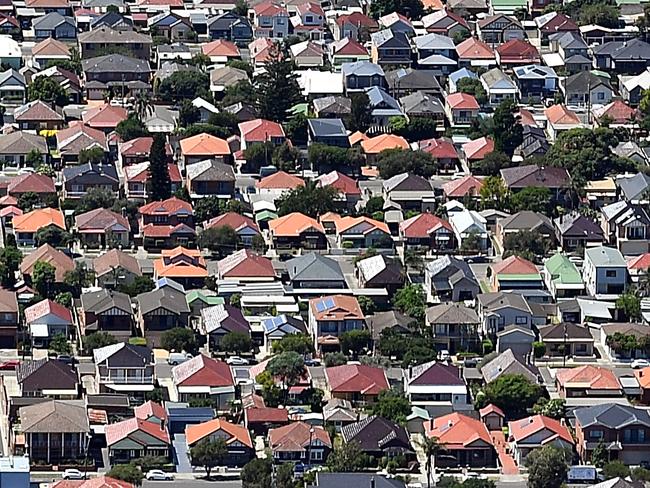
(20, 142)
(227, 76)
(573, 331)
(112, 63)
(580, 82)
(377, 96)
(359, 480)
(333, 104)
(110, 19)
(434, 41)
(576, 224)
(51, 21)
(446, 271)
(611, 415)
(413, 79)
(227, 20)
(12, 73)
(605, 256)
(327, 127)
(495, 78)
(210, 170)
(107, 35)
(506, 363)
(103, 300)
(451, 313)
(388, 38)
(407, 182)
(108, 170)
(420, 103)
(516, 329)
(462, 73)
(314, 267)
(168, 298)
(633, 188)
(633, 50)
(534, 72)
(379, 321)
(67, 416)
(525, 220)
(361, 68)
(569, 40)
(497, 300)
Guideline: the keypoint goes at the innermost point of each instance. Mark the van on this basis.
(175, 358)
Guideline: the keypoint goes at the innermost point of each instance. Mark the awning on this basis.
(130, 387)
(39, 330)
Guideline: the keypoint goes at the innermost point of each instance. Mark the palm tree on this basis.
(431, 448)
(143, 106)
(644, 282)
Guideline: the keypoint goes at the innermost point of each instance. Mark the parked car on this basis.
(312, 362)
(158, 475)
(236, 361)
(175, 358)
(73, 474)
(66, 358)
(444, 355)
(9, 365)
(640, 363)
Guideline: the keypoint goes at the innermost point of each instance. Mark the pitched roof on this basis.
(356, 378)
(171, 206)
(116, 259)
(36, 111)
(605, 256)
(589, 376)
(611, 415)
(348, 47)
(533, 175)
(22, 142)
(640, 263)
(463, 101)
(457, 431)
(336, 307)
(61, 262)
(295, 437)
(618, 111)
(362, 224)
(98, 482)
(202, 371)
(204, 145)
(104, 300)
(379, 143)
(421, 226)
(104, 117)
(514, 265)
(220, 47)
(473, 48)
(234, 220)
(522, 429)
(441, 148)
(357, 19)
(234, 432)
(451, 313)
(467, 185)
(168, 298)
(478, 148)
(31, 182)
(517, 50)
(260, 130)
(102, 220)
(560, 115)
(140, 146)
(313, 266)
(293, 224)
(121, 430)
(436, 373)
(375, 433)
(47, 307)
(54, 416)
(280, 180)
(37, 219)
(150, 409)
(245, 264)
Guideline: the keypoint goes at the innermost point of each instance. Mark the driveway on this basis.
(181, 454)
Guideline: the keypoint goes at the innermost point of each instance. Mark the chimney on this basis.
(431, 424)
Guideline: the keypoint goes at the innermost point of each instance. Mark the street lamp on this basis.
(564, 347)
(311, 435)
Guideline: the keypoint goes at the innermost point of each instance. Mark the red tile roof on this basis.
(104, 117)
(518, 51)
(280, 181)
(266, 415)
(32, 182)
(170, 206)
(295, 437)
(61, 262)
(559, 23)
(594, 376)
(522, 429)
(98, 482)
(421, 226)
(640, 263)
(121, 430)
(221, 47)
(36, 219)
(293, 224)
(479, 148)
(514, 265)
(202, 371)
(204, 145)
(47, 307)
(365, 225)
(343, 183)
(379, 143)
(357, 19)
(439, 148)
(140, 146)
(473, 48)
(457, 431)
(349, 47)
(467, 185)
(462, 101)
(491, 408)
(140, 173)
(245, 264)
(618, 111)
(269, 9)
(356, 378)
(560, 115)
(234, 220)
(234, 432)
(260, 130)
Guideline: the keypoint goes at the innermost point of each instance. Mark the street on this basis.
(191, 484)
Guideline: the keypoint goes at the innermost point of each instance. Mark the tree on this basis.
(64, 298)
(60, 345)
(257, 473)
(355, 341)
(241, 8)
(131, 128)
(296, 129)
(10, 259)
(259, 244)
(94, 155)
(547, 467)
(159, 182)
(179, 339)
(188, 114)
(600, 455)
(533, 198)
(80, 277)
(334, 359)
(600, 14)
(97, 340)
(431, 447)
(507, 132)
(143, 106)
(53, 235)
(629, 304)
(493, 192)
(141, 284)
(44, 278)
(539, 349)
(185, 85)
(127, 472)
(367, 305)
(554, 408)
(289, 366)
(323, 158)
(492, 164)
(284, 476)
(301, 344)
(285, 156)
(474, 87)
(525, 243)
(237, 342)
(34, 159)
(615, 469)
(72, 64)
(311, 200)
(277, 87)
(259, 154)
(415, 129)
(207, 208)
(221, 240)
(28, 200)
(392, 162)
(240, 92)
(512, 393)
(347, 458)
(411, 301)
(94, 198)
(393, 405)
(208, 454)
(471, 243)
(241, 64)
(47, 90)
(360, 116)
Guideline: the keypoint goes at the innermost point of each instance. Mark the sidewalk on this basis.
(508, 465)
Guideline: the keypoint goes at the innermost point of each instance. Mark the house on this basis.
(55, 430)
(124, 368)
(260, 130)
(102, 228)
(226, 76)
(115, 268)
(637, 266)
(390, 47)
(204, 146)
(100, 40)
(270, 20)
(329, 131)
(498, 309)
(16, 146)
(137, 179)
(332, 316)
(516, 52)
(499, 86)
(309, 21)
(354, 25)
(454, 327)
(349, 193)
(421, 104)
(360, 384)
(535, 432)
(47, 378)
(280, 326)
(405, 81)
(221, 51)
(333, 107)
(230, 27)
(185, 266)
(573, 50)
(536, 82)
(470, 224)
(200, 299)
(308, 54)
(299, 441)
(587, 380)
(27, 225)
(562, 277)
(373, 146)
(258, 418)
(237, 438)
(77, 180)
(467, 441)
(624, 428)
(626, 226)
(162, 309)
(12, 86)
(534, 143)
(492, 416)
(245, 227)
(389, 321)
(575, 231)
(461, 109)
(363, 232)
(360, 75)
(604, 271)
(586, 88)
(296, 230)
(210, 178)
(171, 25)
(136, 437)
(515, 273)
(426, 230)
(37, 115)
(334, 480)
(245, 266)
(437, 387)
(166, 224)
(516, 339)
(151, 412)
(508, 363)
(278, 183)
(518, 178)
(106, 311)
(114, 70)
(499, 29)
(446, 23)
(622, 57)
(560, 119)
(47, 319)
(397, 23)
(380, 272)
(474, 52)
(554, 23)
(612, 334)
(56, 26)
(207, 378)
(11, 53)
(525, 221)
(567, 340)
(378, 437)
(136, 151)
(62, 262)
(449, 278)
(76, 138)
(314, 270)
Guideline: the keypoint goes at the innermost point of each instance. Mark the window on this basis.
(316, 455)
(309, 19)
(600, 96)
(610, 273)
(521, 319)
(596, 434)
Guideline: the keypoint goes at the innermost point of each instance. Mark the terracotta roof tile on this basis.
(365, 224)
(36, 111)
(467, 185)
(202, 371)
(171, 206)
(293, 224)
(101, 219)
(47, 307)
(31, 182)
(356, 378)
(260, 130)
(266, 415)
(295, 436)
(478, 148)
(421, 226)
(61, 262)
(36, 219)
(463, 101)
(140, 146)
(522, 429)
(204, 145)
(280, 181)
(457, 431)
(104, 117)
(235, 432)
(514, 265)
(640, 263)
(518, 51)
(245, 264)
(343, 183)
(122, 430)
(232, 219)
(221, 47)
(560, 115)
(441, 148)
(116, 259)
(473, 48)
(379, 143)
(593, 376)
(50, 47)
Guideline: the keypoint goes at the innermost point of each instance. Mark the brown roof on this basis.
(50, 47)
(116, 259)
(61, 262)
(8, 302)
(101, 220)
(31, 182)
(54, 416)
(295, 437)
(36, 111)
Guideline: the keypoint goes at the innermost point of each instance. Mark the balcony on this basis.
(124, 380)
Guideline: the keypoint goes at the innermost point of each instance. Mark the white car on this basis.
(640, 363)
(158, 475)
(444, 355)
(73, 474)
(236, 361)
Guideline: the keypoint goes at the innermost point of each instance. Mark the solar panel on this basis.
(329, 303)
(268, 325)
(320, 306)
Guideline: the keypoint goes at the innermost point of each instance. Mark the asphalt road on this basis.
(191, 484)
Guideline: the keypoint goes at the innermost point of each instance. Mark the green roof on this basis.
(562, 270)
(629, 2)
(301, 108)
(496, 4)
(265, 215)
(207, 299)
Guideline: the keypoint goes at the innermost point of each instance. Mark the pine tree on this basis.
(159, 182)
(277, 88)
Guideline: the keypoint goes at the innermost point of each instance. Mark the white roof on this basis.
(372, 266)
(642, 80)
(200, 103)
(596, 308)
(9, 48)
(320, 82)
(464, 221)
